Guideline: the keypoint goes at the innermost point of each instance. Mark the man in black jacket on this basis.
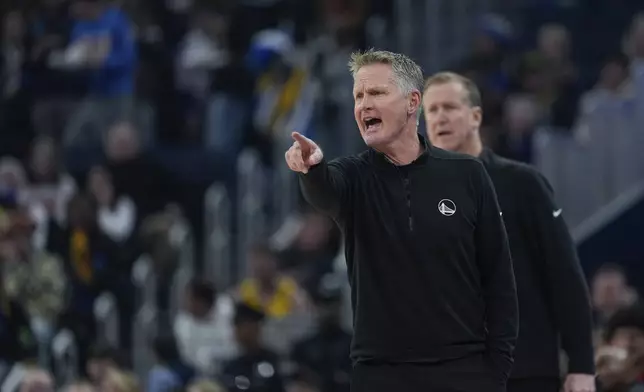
(553, 296)
(433, 290)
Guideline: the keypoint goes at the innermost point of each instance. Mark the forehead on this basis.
(447, 91)
(373, 75)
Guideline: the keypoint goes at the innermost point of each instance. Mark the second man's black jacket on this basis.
(553, 297)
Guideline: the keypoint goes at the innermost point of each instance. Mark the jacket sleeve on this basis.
(565, 283)
(327, 186)
(497, 277)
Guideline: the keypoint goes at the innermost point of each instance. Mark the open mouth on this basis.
(444, 133)
(372, 123)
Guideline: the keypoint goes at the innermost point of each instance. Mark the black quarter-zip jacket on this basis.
(427, 256)
(553, 295)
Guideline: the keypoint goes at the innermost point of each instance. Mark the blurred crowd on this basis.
(115, 118)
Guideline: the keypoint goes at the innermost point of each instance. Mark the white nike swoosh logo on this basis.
(556, 213)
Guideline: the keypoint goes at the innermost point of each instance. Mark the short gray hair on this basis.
(409, 76)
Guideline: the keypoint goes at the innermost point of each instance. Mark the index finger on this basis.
(305, 143)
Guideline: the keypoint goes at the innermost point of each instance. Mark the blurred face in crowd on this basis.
(196, 306)
(43, 159)
(100, 185)
(117, 381)
(520, 114)
(630, 339)
(212, 24)
(452, 122)
(484, 44)
(610, 291)
(263, 266)
(554, 42)
(381, 109)
(613, 74)
(122, 142)
(87, 9)
(13, 26)
(247, 334)
(98, 369)
(12, 174)
(37, 381)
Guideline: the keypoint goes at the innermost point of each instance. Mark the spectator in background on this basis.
(610, 292)
(17, 342)
(116, 213)
(201, 51)
(80, 387)
(490, 64)
(614, 82)
(101, 359)
(50, 185)
(14, 54)
(554, 47)
(101, 43)
(134, 172)
(170, 372)
(620, 361)
(324, 356)
(14, 186)
(549, 74)
(204, 328)
(267, 290)
(37, 380)
(160, 242)
(116, 219)
(54, 89)
(256, 369)
(91, 261)
(635, 45)
(120, 381)
(520, 118)
(205, 386)
(36, 279)
(14, 97)
(308, 248)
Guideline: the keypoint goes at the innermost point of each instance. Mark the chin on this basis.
(372, 140)
(446, 145)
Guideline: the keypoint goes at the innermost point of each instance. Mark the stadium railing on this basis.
(107, 319)
(251, 215)
(218, 252)
(599, 161)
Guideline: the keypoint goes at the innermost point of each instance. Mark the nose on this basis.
(365, 103)
(442, 116)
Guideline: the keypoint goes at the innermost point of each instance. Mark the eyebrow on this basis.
(371, 88)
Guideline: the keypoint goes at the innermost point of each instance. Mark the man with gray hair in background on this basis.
(433, 291)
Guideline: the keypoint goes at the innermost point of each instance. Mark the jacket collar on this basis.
(381, 159)
(488, 157)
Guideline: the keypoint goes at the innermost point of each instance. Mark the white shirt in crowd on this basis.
(206, 344)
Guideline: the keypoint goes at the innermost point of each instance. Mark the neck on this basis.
(473, 148)
(404, 150)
